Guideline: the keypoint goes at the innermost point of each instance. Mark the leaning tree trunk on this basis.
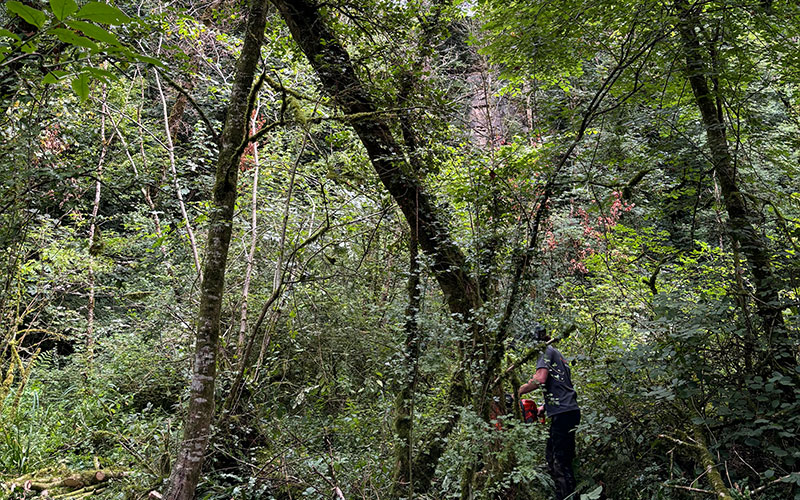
(335, 70)
(186, 472)
(740, 224)
(170, 147)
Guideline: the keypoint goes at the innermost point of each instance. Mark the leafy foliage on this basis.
(493, 105)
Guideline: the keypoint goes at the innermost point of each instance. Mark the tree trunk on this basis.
(186, 471)
(251, 253)
(740, 223)
(402, 485)
(333, 67)
(710, 465)
(95, 243)
(168, 129)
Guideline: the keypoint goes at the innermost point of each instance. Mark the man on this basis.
(561, 405)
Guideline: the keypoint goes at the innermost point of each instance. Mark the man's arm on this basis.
(539, 378)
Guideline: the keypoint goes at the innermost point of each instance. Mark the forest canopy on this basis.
(280, 249)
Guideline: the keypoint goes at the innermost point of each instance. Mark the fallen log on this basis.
(76, 480)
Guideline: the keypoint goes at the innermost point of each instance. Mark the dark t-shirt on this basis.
(559, 394)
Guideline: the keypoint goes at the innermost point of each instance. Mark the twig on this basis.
(689, 488)
(771, 483)
(678, 441)
(353, 117)
(279, 86)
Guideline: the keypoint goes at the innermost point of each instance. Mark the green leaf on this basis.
(80, 85)
(29, 14)
(54, 76)
(103, 13)
(149, 60)
(94, 31)
(101, 74)
(594, 494)
(4, 33)
(769, 473)
(63, 8)
(70, 37)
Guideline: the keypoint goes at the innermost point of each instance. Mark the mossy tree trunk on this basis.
(741, 223)
(335, 70)
(402, 484)
(186, 471)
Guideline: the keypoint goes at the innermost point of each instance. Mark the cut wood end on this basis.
(154, 495)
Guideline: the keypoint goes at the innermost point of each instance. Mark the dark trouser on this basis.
(561, 451)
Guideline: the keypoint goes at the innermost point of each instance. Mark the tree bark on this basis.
(740, 223)
(710, 465)
(186, 471)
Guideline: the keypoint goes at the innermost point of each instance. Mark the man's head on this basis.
(540, 333)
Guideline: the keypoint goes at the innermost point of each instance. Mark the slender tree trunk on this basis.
(95, 243)
(186, 471)
(240, 342)
(277, 287)
(143, 189)
(403, 485)
(171, 153)
(740, 223)
(147, 187)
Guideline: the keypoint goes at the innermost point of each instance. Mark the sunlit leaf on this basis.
(103, 13)
(101, 74)
(80, 85)
(149, 60)
(54, 76)
(4, 33)
(92, 30)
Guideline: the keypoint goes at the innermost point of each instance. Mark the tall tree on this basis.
(741, 219)
(336, 72)
(186, 471)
